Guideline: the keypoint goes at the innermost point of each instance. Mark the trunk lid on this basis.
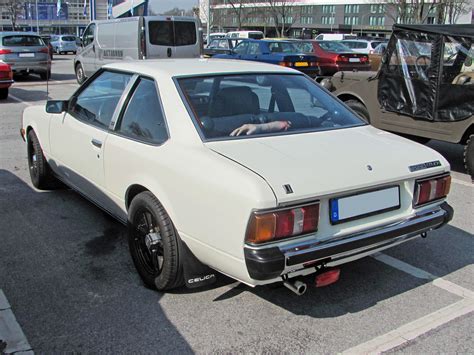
(329, 162)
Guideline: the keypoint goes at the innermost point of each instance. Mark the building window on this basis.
(327, 20)
(306, 9)
(329, 9)
(351, 9)
(377, 9)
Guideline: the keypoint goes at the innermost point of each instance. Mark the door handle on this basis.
(168, 52)
(93, 48)
(96, 143)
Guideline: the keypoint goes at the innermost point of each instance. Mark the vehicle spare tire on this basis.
(359, 108)
(469, 156)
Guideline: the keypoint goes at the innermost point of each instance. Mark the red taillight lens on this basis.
(44, 50)
(432, 189)
(313, 64)
(285, 64)
(364, 59)
(5, 51)
(270, 226)
(342, 58)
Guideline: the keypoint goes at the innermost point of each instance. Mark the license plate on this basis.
(366, 204)
(301, 64)
(26, 55)
(354, 60)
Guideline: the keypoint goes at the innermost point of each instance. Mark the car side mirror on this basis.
(56, 106)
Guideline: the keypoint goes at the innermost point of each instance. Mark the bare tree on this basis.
(418, 11)
(237, 9)
(284, 13)
(14, 8)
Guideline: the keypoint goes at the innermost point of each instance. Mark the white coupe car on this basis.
(249, 169)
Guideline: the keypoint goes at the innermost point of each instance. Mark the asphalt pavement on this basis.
(69, 281)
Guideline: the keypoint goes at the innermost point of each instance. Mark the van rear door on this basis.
(172, 37)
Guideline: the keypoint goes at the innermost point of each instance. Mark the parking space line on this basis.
(414, 329)
(19, 100)
(422, 274)
(462, 182)
(11, 334)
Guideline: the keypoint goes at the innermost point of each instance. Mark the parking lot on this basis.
(68, 279)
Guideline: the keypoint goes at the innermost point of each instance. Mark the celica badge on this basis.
(422, 166)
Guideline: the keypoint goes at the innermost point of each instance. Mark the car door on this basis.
(77, 138)
(253, 52)
(185, 39)
(88, 51)
(136, 139)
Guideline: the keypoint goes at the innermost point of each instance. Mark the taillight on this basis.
(5, 51)
(313, 64)
(431, 189)
(364, 59)
(44, 50)
(270, 226)
(342, 58)
(285, 64)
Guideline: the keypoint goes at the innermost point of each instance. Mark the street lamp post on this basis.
(37, 20)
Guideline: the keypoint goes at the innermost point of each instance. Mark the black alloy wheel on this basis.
(41, 175)
(154, 243)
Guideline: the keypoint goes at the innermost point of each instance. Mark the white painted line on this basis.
(462, 182)
(19, 100)
(3, 301)
(414, 329)
(421, 274)
(10, 331)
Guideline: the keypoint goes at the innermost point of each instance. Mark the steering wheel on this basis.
(422, 72)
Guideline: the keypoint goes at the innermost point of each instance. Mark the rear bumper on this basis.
(5, 83)
(269, 262)
(38, 67)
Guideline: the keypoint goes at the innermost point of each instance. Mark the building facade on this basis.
(307, 18)
(43, 16)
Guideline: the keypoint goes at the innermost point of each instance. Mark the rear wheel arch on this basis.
(467, 134)
(133, 191)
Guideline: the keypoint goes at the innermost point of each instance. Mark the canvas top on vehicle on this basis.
(427, 72)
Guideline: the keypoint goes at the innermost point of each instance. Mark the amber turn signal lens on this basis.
(262, 228)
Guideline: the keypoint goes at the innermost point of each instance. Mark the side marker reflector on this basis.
(327, 278)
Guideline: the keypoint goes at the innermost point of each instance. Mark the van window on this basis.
(185, 33)
(88, 36)
(162, 33)
(255, 35)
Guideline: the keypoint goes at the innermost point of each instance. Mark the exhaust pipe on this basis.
(297, 287)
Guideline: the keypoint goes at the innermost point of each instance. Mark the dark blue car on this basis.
(274, 52)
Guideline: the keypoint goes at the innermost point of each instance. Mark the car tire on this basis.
(46, 75)
(3, 94)
(469, 156)
(80, 74)
(40, 172)
(154, 243)
(360, 109)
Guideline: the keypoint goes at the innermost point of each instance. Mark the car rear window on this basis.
(22, 41)
(305, 47)
(255, 35)
(69, 39)
(172, 33)
(250, 105)
(333, 46)
(357, 45)
(374, 44)
(281, 47)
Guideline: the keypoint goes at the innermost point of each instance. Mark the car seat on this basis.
(231, 101)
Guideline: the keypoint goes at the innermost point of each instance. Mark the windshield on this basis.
(68, 39)
(281, 47)
(333, 46)
(22, 41)
(249, 105)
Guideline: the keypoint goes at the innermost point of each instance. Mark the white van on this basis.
(245, 34)
(335, 36)
(141, 37)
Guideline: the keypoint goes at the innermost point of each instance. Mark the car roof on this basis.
(161, 68)
(15, 33)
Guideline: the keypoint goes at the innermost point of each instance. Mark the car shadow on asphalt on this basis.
(71, 278)
(39, 94)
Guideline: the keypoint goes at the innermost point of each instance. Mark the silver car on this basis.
(64, 43)
(26, 53)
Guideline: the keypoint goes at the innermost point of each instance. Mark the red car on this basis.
(333, 56)
(6, 80)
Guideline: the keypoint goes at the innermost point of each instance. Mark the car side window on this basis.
(97, 102)
(214, 44)
(88, 36)
(143, 118)
(254, 48)
(241, 48)
(223, 43)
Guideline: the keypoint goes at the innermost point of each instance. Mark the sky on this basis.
(160, 6)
